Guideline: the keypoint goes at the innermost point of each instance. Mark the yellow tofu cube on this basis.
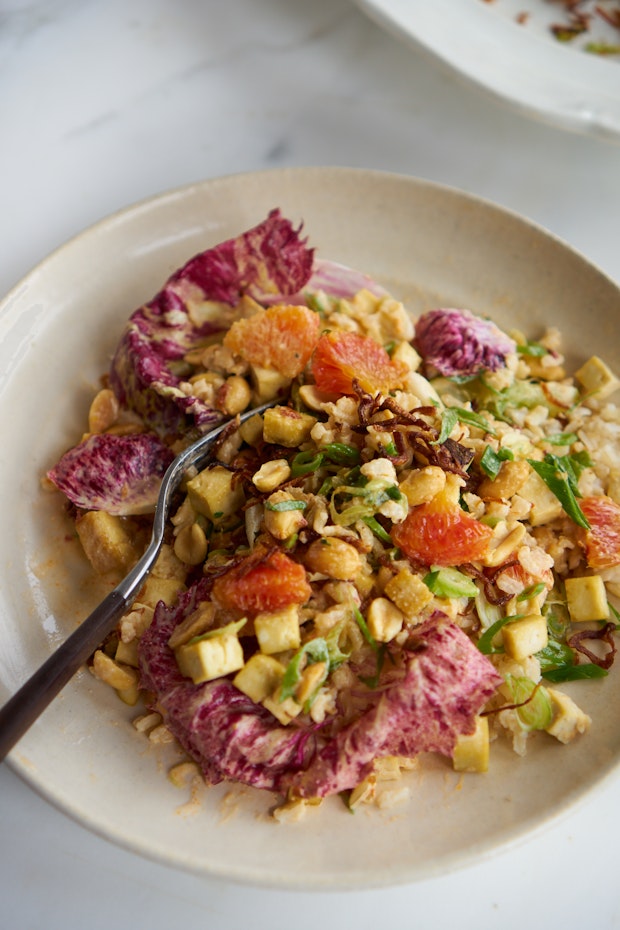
(545, 505)
(210, 658)
(267, 383)
(385, 620)
(157, 589)
(525, 637)
(568, 719)
(471, 753)
(127, 653)
(409, 593)
(119, 677)
(108, 542)
(285, 710)
(214, 493)
(283, 426)
(587, 598)
(278, 630)
(259, 677)
(251, 430)
(283, 523)
(596, 378)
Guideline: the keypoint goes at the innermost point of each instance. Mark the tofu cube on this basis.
(127, 653)
(214, 494)
(157, 589)
(267, 383)
(471, 753)
(119, 677)
(285, 427)
(282, 523)
(409, 593)
(278, 630)
(587, 598)
(384, 619)
(568, 719)
(260, 677)
(251, 430)
(285, 710)
(525, 637)
(108, 543)
(545, 505)
(210, 658)
(168, 565)
(596, 378)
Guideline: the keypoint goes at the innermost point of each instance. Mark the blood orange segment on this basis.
(602, 540)
(281, 337)
(342, 357)
(437, 534)
(261, 582)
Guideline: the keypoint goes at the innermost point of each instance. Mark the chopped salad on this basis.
(411, 551)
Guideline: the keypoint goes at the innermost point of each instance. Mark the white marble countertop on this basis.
(104, 104)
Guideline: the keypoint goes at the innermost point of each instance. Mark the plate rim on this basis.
(597, 114)
(446, 864)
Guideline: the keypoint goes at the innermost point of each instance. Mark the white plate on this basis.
(522, 64)
(431, 245)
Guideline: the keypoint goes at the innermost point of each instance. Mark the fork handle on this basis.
(23, 708)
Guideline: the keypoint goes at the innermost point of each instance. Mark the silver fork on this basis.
(29, 702)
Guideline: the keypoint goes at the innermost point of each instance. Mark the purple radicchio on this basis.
(455, 342)
(115, 473)
(340, 281)
(230, 736)
(444, 683)
(198, 299)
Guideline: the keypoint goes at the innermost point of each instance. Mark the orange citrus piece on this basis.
(439, 533)
(261, 583)
(281, 337)
(602, 540)
(342, 357)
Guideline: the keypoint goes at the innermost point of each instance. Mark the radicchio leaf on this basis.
(198, 299)
(118, 474)
(455, 342)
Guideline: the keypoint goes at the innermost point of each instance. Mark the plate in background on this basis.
(430, 245)
(523, 64)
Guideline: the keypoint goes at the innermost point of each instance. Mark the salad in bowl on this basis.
(410, 552)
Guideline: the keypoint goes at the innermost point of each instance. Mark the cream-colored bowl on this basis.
(431, 246)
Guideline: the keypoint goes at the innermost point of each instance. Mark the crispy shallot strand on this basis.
(488, 581)
(605, 633)
(226, 433)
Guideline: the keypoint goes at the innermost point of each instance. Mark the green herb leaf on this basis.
(450, 582)
(359, 619)
(533, 349)
(561, 439)
(533, 591)
(342, 454)
(575, 672)
(372, 681)
(281, 506)
(560, 476)
(377, 529)
(454, 415)
(304, 463)
(315, 650)
(555, 655)
(491, 461)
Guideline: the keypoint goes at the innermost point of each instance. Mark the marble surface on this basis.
(104, 104)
